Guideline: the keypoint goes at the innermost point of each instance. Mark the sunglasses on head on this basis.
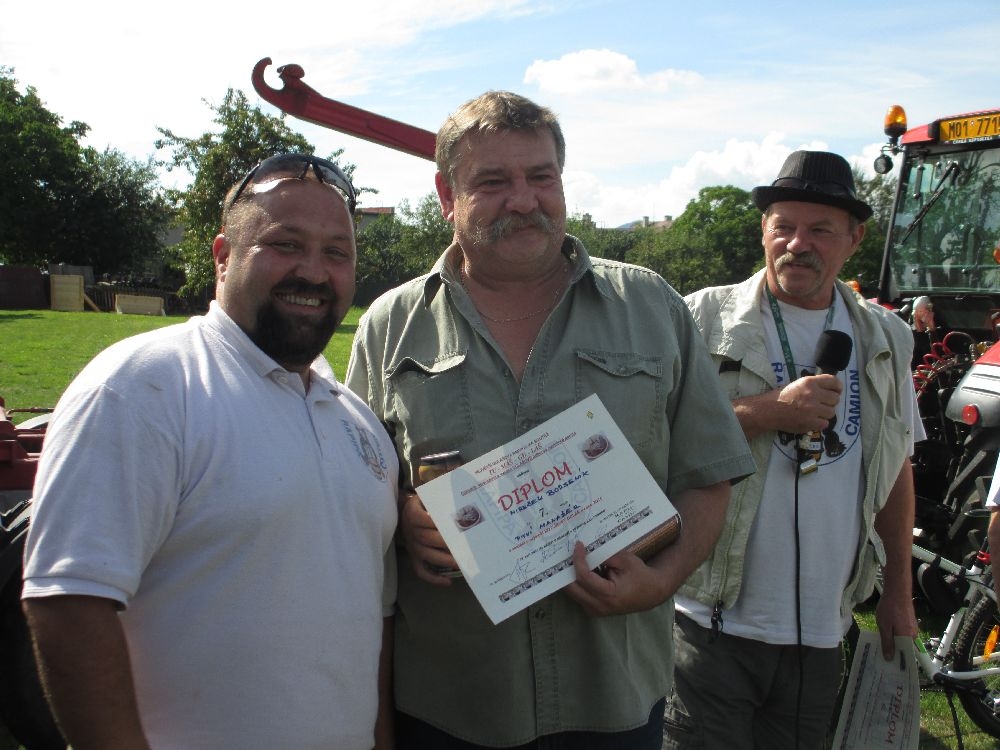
(297, 166)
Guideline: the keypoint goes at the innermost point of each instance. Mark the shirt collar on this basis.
(443, 270)
(321, 375)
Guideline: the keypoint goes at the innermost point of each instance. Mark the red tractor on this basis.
(22, 705)
(942, 256)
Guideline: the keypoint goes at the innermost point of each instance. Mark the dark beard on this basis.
(294, 343)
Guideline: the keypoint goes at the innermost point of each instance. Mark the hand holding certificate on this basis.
(881, 706)
(512, 517)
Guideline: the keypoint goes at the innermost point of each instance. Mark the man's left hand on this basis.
(894, 616)
(629, 585)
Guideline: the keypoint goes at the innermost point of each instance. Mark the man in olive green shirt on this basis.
(514, 324)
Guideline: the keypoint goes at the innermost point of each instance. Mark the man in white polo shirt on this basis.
(210, 561)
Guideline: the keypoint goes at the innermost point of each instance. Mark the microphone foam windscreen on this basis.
(833, 352)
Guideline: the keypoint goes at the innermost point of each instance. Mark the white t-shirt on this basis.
(829, 507)
(244, 524)
(829, 502)
(993, 495)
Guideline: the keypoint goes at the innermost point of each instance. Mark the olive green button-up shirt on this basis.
(427, 365)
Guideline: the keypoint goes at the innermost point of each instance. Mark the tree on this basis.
(648, 249)
(380, 263)
(720, 229)
(613, 244)
(678, 257)
(879, 192)
(395, 248)
(63, 203)
(426, 234)
(217, 161)
(39, 173)
(121, 212)
(715, 241)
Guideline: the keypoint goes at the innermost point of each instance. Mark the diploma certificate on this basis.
(881, 707)
(512, 517)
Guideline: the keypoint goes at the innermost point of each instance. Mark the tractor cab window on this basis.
(947, 224)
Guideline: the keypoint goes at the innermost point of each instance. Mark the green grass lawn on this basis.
(42, 350)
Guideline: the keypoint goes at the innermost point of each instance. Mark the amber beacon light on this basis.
(894, 126)
(895, 123)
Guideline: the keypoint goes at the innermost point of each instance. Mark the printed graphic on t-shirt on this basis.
(839, 436)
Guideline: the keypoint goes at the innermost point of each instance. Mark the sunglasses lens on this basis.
(297, 166)
(284, 165)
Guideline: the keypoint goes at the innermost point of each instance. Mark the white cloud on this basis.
(638, 148)
(656, 101)
(602, 70)
(742, 163)
(124, 68)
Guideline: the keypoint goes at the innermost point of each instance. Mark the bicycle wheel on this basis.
(980, 703)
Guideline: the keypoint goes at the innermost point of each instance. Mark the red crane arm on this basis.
(302, 101)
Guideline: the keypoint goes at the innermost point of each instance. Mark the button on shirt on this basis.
(427, 365)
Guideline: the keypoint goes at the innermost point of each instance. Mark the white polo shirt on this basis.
(244, 525)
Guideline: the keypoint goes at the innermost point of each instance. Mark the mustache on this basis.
(507, 225)
(809, 259)
(301, 288)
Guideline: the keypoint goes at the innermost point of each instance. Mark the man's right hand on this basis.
(811, 401)
(423, 541)
(806, 404)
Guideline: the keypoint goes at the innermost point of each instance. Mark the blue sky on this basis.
(657, 99)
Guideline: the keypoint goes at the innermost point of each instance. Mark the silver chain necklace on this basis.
(552, 303)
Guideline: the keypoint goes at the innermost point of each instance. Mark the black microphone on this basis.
(833, 353)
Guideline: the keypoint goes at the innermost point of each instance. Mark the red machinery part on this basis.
(19, 451)
(991, 356)
(302, 101)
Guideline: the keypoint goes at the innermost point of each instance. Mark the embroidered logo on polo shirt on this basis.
(367, 447)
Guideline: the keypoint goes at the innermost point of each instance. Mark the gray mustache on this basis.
(507, 225)
(807, 259)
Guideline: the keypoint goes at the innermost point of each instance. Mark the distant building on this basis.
(645, 223)
(368, 215)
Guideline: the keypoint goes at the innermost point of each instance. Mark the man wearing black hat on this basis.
(760, 622)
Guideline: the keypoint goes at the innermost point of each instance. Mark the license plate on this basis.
(984, 127)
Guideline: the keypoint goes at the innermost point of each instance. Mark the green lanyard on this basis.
(779, 323)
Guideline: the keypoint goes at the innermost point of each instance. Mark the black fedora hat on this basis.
(814, 177)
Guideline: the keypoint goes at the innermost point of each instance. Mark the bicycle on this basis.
(964, 660)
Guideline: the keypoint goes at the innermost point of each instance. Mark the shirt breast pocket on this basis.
(431, 404)
(630, 385)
